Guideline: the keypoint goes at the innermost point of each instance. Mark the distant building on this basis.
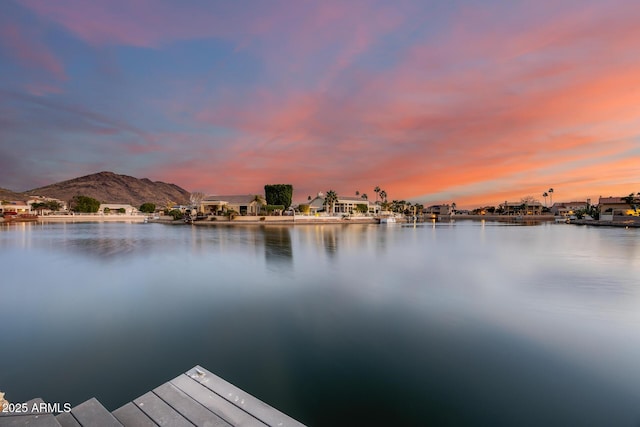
(522, 208)
(610, 206)
(116, 208)
(438, 210)
(568, 208)
(243, 204)
(18, 207)
(344, 205)
(43, 199)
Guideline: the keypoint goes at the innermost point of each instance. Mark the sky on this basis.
(472, 102)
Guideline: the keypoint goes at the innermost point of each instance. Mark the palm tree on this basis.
(259, 200)
(453, 207)
(364, 196)
(376, 190)
(545, 195)
(330, 199)
(357, 193)
(383, 196)
(551, 196)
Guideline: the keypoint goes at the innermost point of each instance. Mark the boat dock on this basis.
(195, 398)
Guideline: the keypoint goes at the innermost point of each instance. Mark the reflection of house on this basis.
(243, 204)
(568, 208)
(522, 208)
(614, 206)
(116, 208)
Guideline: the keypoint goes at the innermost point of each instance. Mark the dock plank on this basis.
(189, 408)
(160, 412)
(45, 420)
(92, 413)
(66, 420)
(35, 415)
(131, 415)
(212, 401)
(242, 399)
(32, 407)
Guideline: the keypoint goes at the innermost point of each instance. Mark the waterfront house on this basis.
(568, 208)
(316, 204)
(18, 207)
(522, 208)
(344, 205)
(243, 204)
(116, 208)
(348, 205)
(438, 210)
(610, 206)
(43, 210)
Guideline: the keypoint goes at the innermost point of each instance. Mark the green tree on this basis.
(362, 208)
(85, 204)
(122, 210)
(53, 205)
(279, 194)
(364, 196)
(383, 196)
(106, 210)
(148, 207)
(377, 191)
(38, 206)
(330, 199)
(176, 214)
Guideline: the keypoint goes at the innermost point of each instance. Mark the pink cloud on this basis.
(520, 104)
(32, 53)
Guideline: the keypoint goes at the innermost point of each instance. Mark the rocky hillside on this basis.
(112, 188)
(10, 195)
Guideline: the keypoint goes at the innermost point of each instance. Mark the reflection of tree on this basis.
(277, 245)
(330, 240)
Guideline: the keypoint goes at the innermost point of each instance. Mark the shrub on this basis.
(148, 208)
(176, 214)
(279, 194)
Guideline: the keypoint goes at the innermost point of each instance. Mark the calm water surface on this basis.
(450, 324)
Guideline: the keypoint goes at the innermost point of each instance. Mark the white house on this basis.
(116, 208)
(248, 204)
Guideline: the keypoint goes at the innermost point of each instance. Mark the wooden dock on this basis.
(195, 398)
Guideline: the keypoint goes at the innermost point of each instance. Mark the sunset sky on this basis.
(473, 102)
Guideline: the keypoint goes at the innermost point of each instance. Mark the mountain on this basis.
(10, 195)
(109, 187)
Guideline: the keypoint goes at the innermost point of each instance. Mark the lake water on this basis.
(466, 323)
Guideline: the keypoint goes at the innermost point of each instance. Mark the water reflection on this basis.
(278, 251)
(458, 323)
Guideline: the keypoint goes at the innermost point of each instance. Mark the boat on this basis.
(388, 220)
(562, 219)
